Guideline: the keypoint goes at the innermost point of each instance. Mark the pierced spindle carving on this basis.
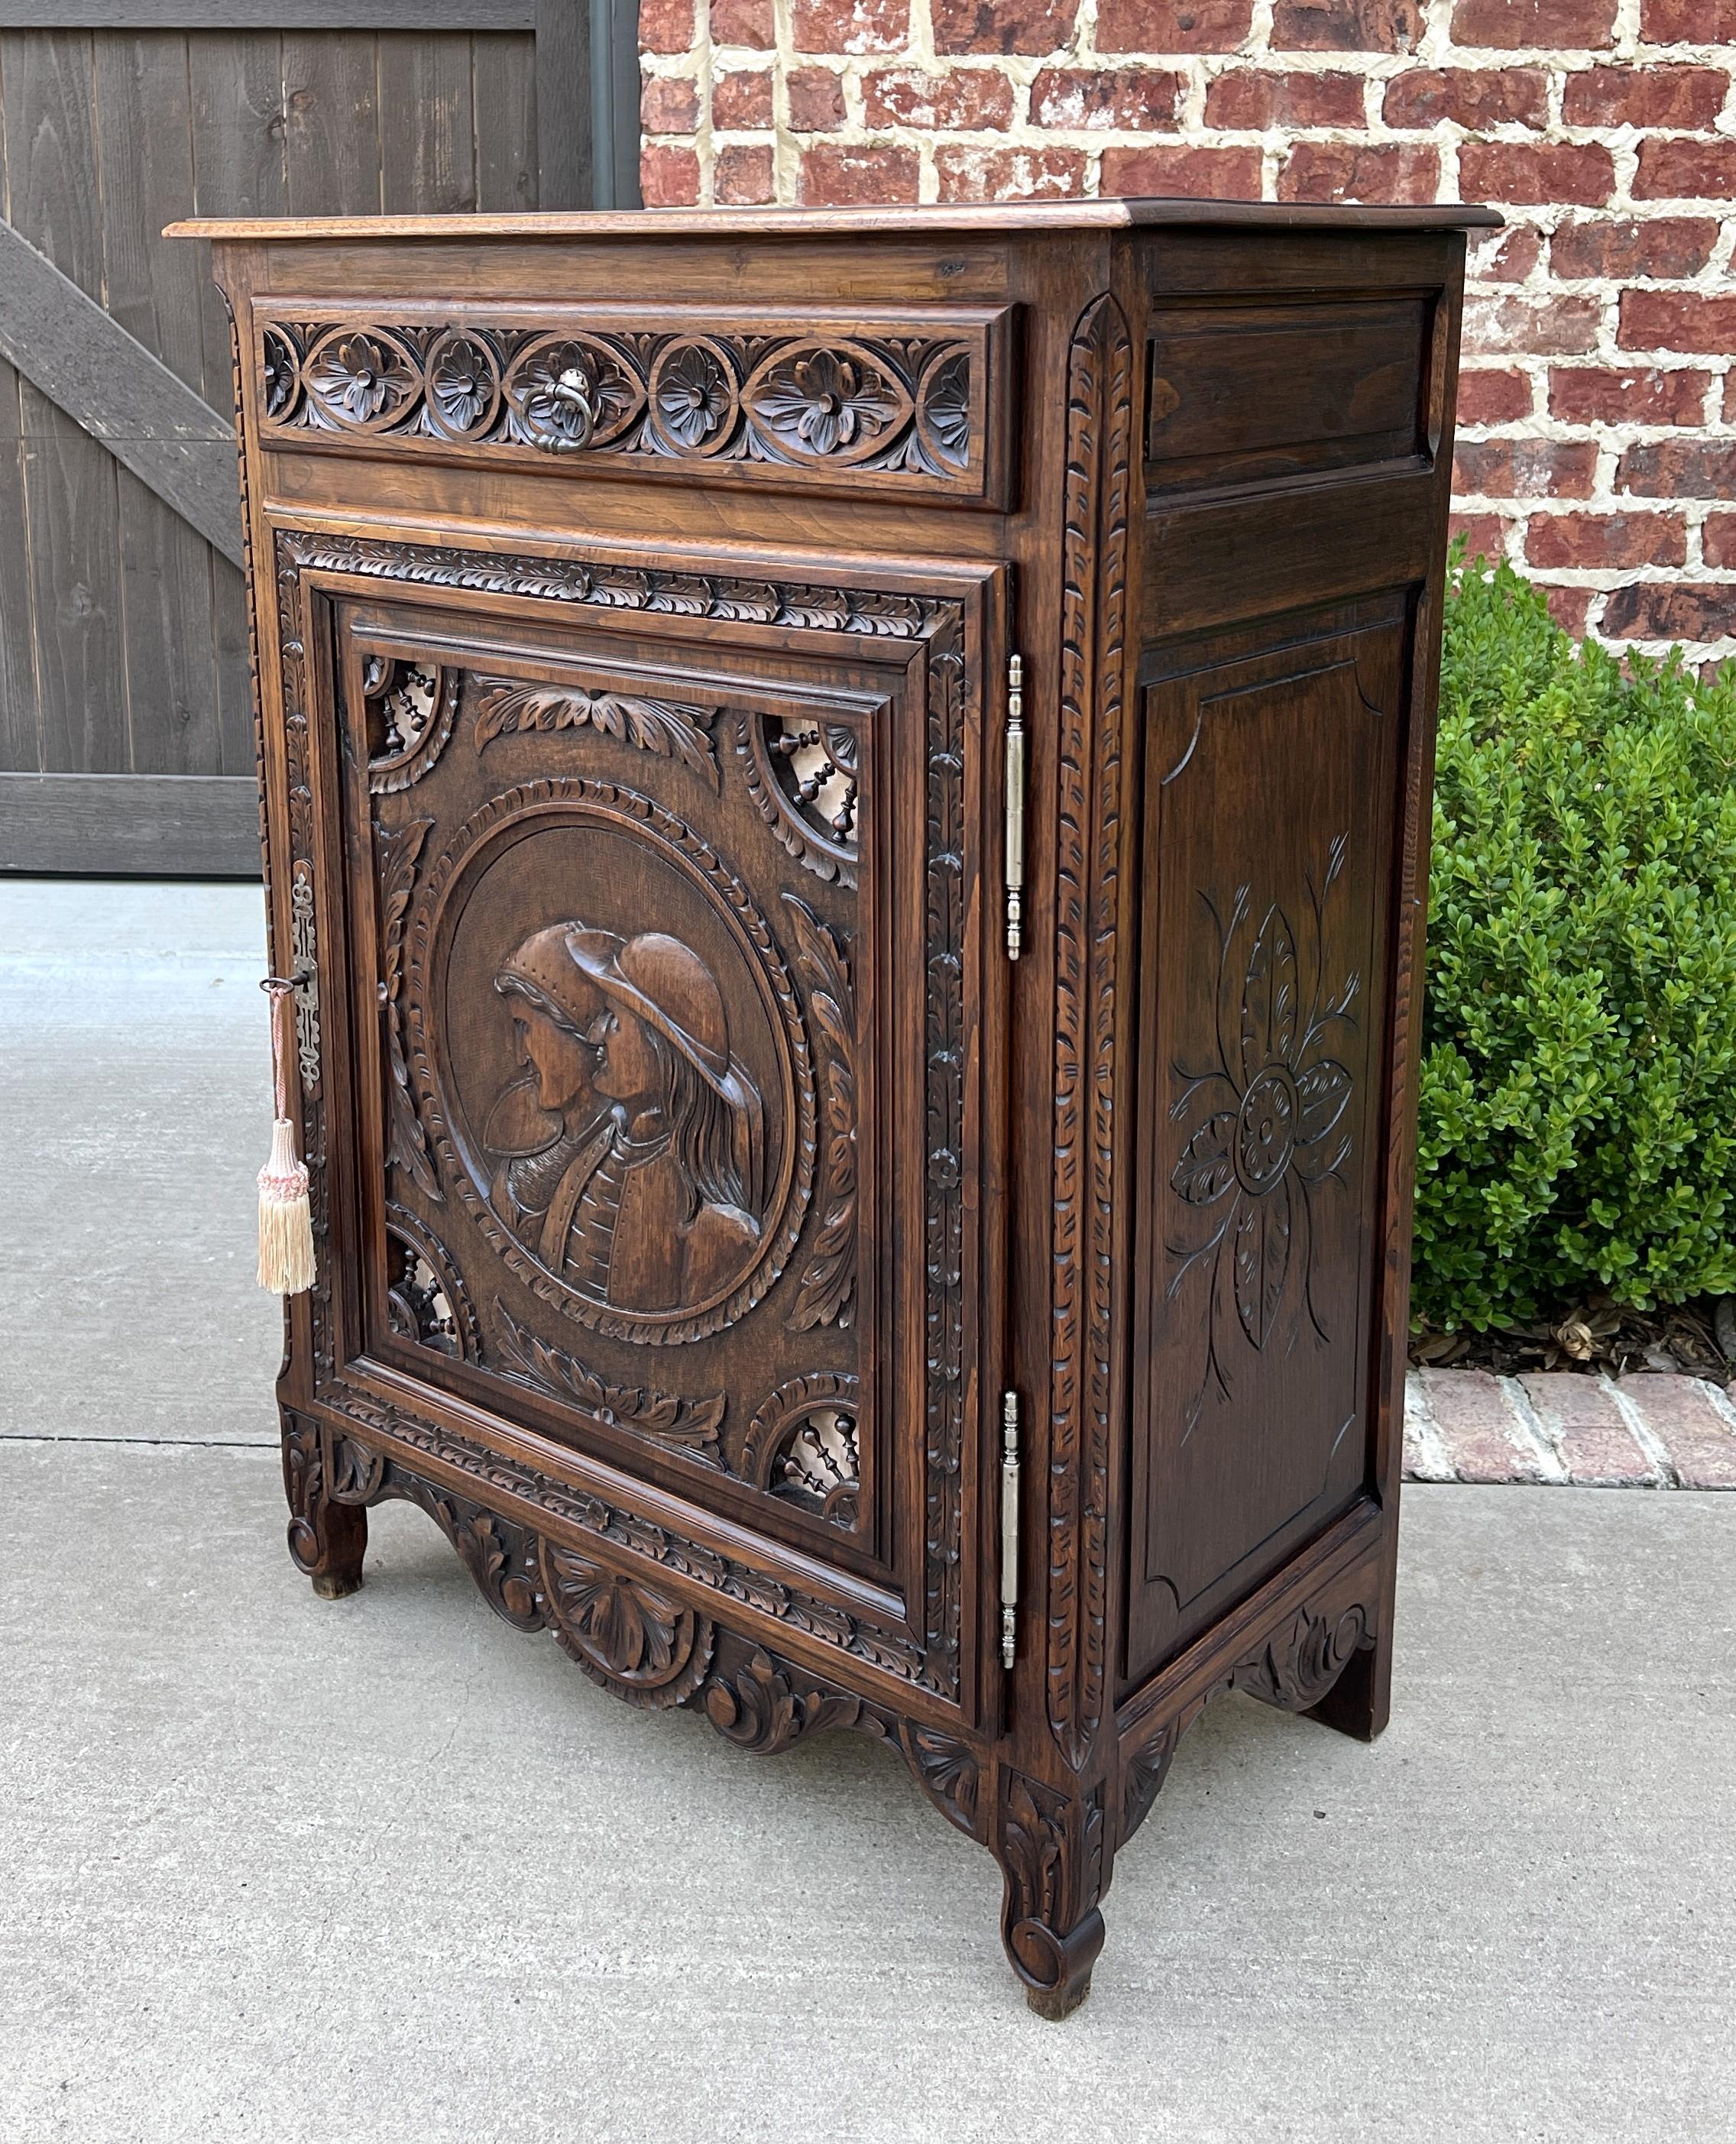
(805, 778)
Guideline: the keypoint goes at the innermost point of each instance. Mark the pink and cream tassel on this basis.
(285, 1224)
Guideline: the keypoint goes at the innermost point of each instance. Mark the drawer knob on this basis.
(575, 412)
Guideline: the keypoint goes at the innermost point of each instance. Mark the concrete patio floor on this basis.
(382, 1869)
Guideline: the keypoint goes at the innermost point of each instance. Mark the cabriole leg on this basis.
(1054, 1851)
(327, 1539)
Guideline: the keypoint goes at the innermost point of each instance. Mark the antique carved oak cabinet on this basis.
(845, 796)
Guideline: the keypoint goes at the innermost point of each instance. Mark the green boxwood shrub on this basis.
(1578, 1131)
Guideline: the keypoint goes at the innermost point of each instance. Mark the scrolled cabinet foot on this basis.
(1061, 2001)
(1054, 1850)
(1359, 1701)
(327, 1539)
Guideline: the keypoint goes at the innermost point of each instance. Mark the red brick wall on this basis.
(1598, 411)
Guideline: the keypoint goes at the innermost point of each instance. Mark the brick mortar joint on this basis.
(1644, 1435)
(1535, 1431)
(1033, 153)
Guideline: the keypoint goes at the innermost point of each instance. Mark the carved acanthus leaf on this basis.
(667, 727)
(636, 1640)
(691, 1424)
(1299, 1664)
(826, 1293)
(1143, 1774)
(760, 1708)
(949, 1774)
(500, 1555)
(1050, 1846)
(398, 849)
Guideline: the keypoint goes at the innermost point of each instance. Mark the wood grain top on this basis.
(967, 218)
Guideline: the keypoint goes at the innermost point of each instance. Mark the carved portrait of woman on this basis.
(629, 1150)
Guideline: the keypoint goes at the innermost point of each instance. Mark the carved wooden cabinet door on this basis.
(647, 907)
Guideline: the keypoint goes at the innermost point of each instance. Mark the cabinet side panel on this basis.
(1271, 808)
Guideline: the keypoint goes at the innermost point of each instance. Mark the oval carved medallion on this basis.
(613, 1060)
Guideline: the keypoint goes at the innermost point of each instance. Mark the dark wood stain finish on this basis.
(693, 1174)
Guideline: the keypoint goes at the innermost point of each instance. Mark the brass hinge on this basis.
(1015, 806)
(1009, 1526)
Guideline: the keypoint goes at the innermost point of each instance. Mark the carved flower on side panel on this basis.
(824, 402)
(1266, 1123)
(360, 378)
(463, 384)
(693, 395)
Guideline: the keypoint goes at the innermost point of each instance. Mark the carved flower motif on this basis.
(692, 395)
(279, 374)
(626, 1627)
(826, 400)
(1271, 1108)
(946, 406)
(559, 391)
(358, 377)
(461, 381)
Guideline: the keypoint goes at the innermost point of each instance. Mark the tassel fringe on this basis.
(285, 1225)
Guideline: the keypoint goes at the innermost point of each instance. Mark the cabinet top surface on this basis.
(987, 218)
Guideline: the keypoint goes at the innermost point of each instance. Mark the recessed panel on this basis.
(1270, 810)
(1239, 394)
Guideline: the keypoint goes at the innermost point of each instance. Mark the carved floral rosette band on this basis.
(906, 399)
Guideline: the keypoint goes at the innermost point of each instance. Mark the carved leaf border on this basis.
(754, 1698)
(397, 1426)
(1097, 495)
(508, 708)
(826, 1290)
(691, 1425)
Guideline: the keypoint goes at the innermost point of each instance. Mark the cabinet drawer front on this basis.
(906, 402)
(657, 947)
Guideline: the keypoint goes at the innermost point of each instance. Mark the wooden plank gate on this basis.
(126, 728)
